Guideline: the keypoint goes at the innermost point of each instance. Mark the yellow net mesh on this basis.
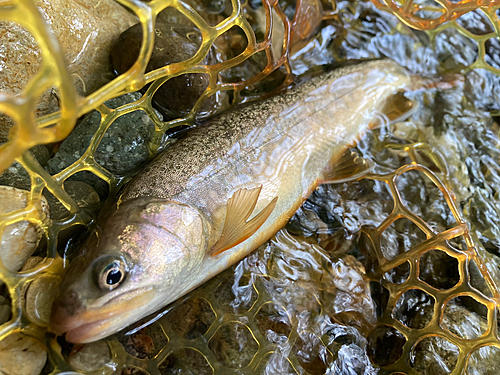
(415, 258)
(29, 131)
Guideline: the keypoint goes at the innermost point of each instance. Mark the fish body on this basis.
(159, 243)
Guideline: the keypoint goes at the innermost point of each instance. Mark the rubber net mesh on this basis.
(431, 17)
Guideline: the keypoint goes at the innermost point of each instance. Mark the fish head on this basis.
(137, 260)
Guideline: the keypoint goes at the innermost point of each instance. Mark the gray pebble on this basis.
(5, 310)
(83, 194)
(19, 240)
(123, 148)
(21, 355)
(16, 176)
(90, 357)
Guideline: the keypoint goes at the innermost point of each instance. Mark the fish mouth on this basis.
(91, 325)
(88, 332)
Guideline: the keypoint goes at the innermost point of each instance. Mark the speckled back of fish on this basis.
(207, 148)
(215, 195)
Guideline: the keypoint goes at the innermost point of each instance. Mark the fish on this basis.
(222, 190)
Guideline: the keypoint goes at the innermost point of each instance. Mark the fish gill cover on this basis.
(396, 273)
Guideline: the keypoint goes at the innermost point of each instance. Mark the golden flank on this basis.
(221, 191)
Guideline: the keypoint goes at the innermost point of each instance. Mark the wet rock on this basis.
(31, 263)
(233, 345)
(41, 153)
(84, 30)
(16, 176)
(128, 370)
(89, 357)
(482, 88)
(146, 343)
(484, 361)
(455, 51)
(461, 321)
(173, 43)
(5, 310)
(21, 355)
(212, 11)
(185, 361)
(273, 322)
(192, 318)
(19, 240)
(311, 353)
(236, 295)
(385, 345)
(123, 148)
(139, 345)
(435, 355)
(39, 297)
(476, 22)
(232, 43)
(83, 194)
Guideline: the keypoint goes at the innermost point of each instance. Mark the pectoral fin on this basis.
(396, 108)
(350, 166)
(238, 209)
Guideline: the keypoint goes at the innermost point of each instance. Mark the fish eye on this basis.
(112, 275)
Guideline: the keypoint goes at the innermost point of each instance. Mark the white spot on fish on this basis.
(187, 217)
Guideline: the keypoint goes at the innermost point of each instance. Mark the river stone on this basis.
(89, 357)
(16, 176)
(21, 355)
(32, 262)
(212, 11)
(19, 240)
(85, 30)
(439, 356)
(173, 43)
(83, 194)
(39, 297)
(123, 147)
(5, 310)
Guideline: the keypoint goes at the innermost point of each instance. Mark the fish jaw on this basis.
(83, 324)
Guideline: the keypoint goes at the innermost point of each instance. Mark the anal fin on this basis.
(236, 227)
(397, 107)
(350, 166)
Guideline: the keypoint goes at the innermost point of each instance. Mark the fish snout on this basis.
(65, 309)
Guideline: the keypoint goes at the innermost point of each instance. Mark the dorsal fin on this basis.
(238, 209)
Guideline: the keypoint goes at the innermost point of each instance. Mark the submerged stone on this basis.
(5, 310)
(123, 148)
(84, 30)
(174, 43)
(19, 240)
(39, 297)
(83, 194)
(22, 355)
(16, 176)
(90, 357)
